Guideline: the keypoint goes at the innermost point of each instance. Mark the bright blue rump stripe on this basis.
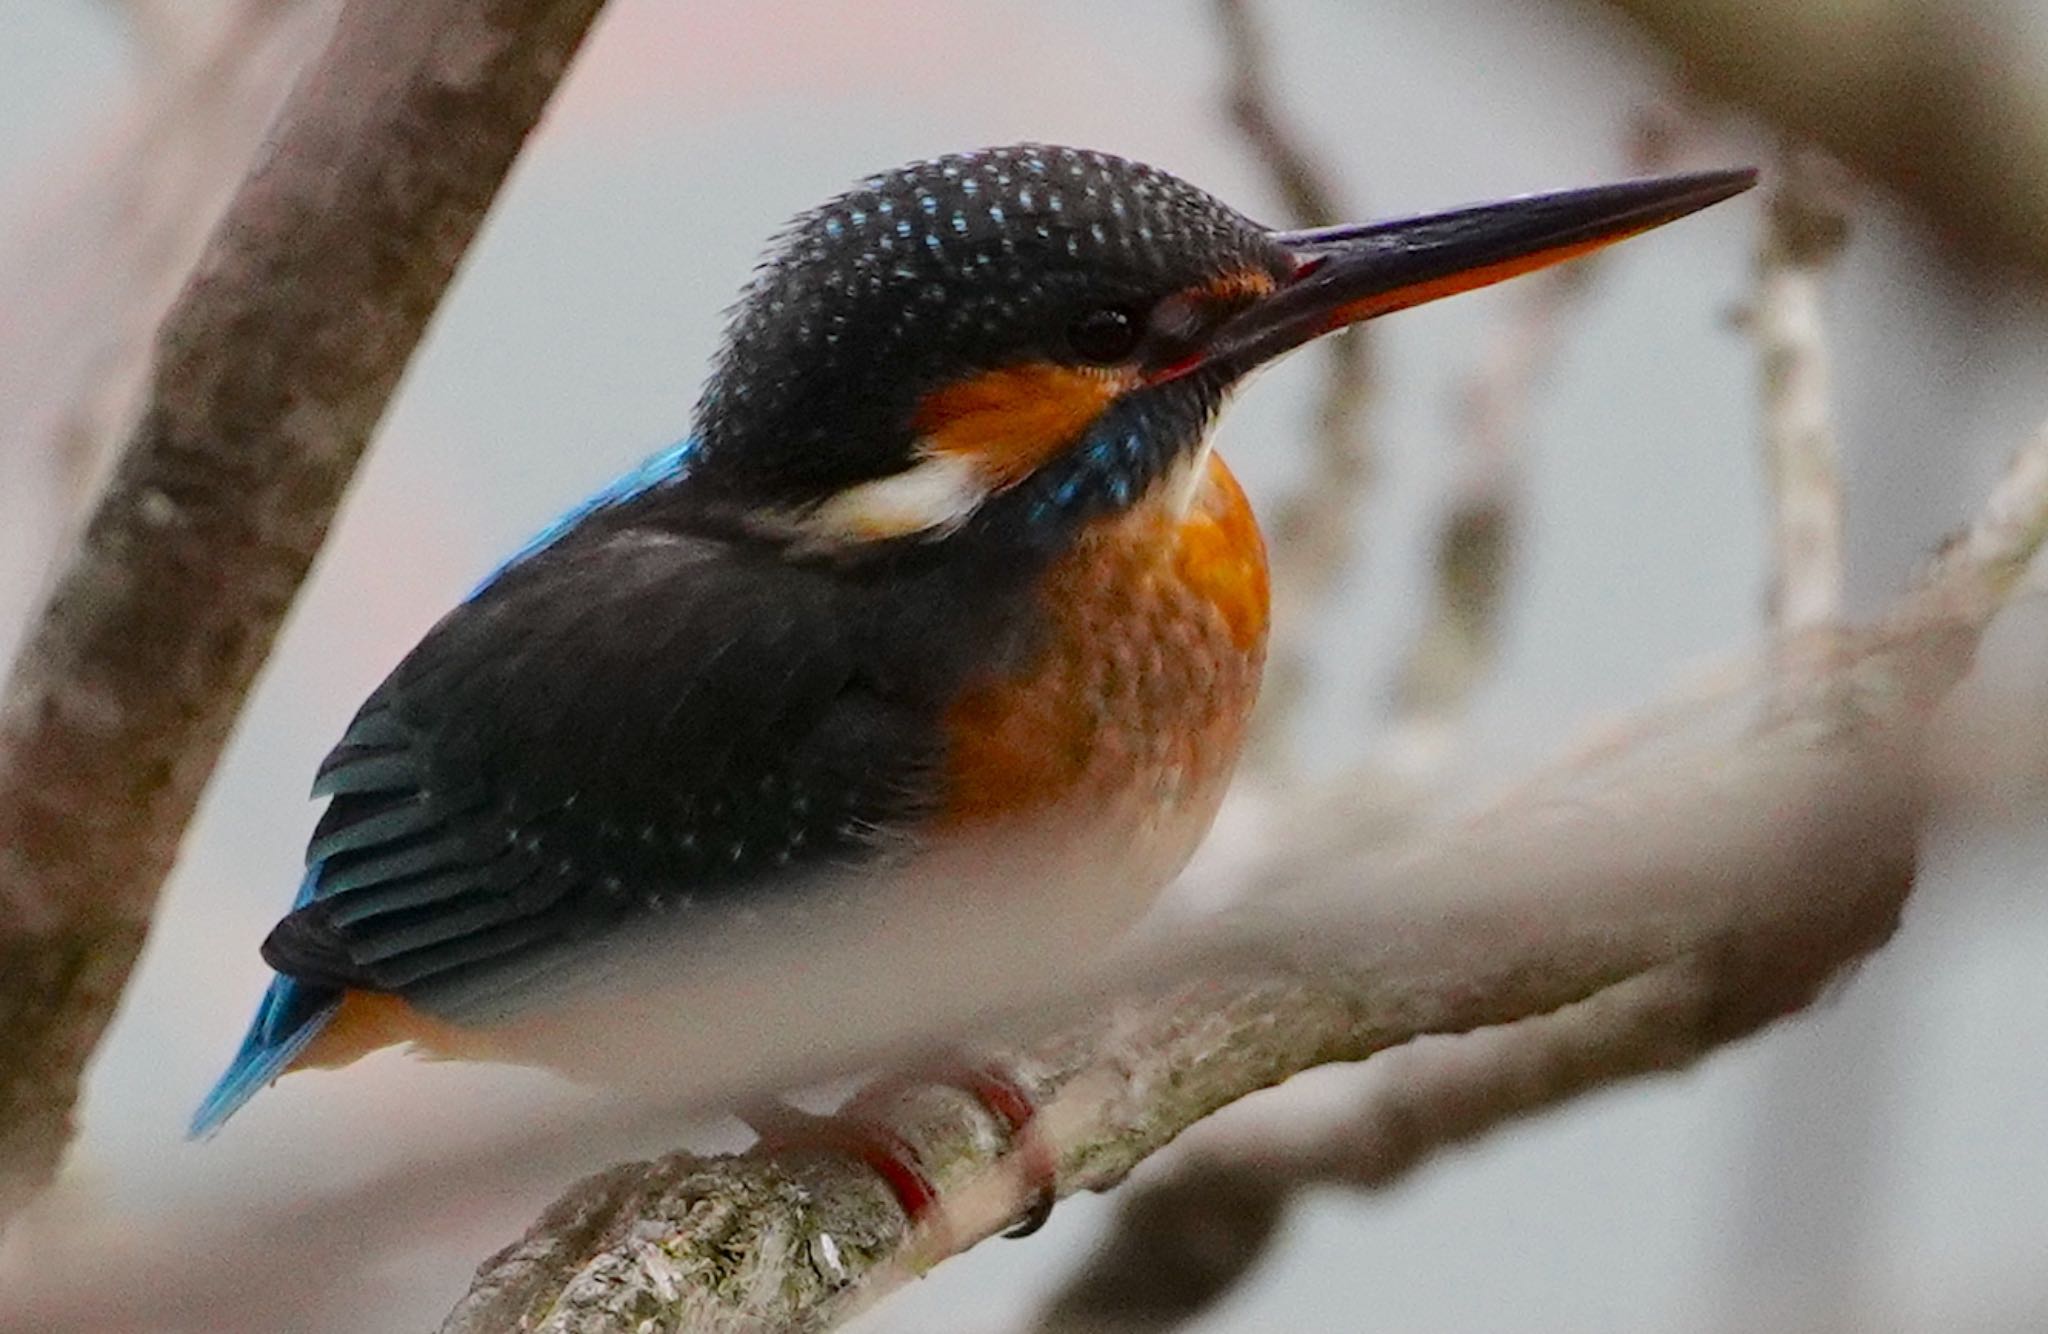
(659, 470)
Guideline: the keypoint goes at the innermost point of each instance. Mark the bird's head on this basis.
(1001, 344)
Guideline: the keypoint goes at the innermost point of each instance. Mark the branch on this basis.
(271, 370)
(1179, 1245)
(1458, 641)
(1936, 101)
(1805, 229)
(103, 247)
(1678, 902)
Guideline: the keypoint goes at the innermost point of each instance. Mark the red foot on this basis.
(1010, 1104)
(781, 1126)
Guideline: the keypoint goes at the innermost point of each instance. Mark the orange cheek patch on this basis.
(1012, 420)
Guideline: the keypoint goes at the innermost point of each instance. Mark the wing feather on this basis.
(616, 729)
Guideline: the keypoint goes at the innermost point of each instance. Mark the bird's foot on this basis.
(1007, 1101)
(1013, 1108)
(855, 1133)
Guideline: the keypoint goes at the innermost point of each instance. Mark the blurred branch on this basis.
(1311, 531)
(1179, 1245)
(271, 369)
(1304, 185)
(1937, 101)
(113, 229)
(1459, 637)
(1650, 913)
(1458, 640)
(1805, 229)
(1218, 1210)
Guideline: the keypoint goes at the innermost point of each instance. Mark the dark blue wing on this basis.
(628, 724)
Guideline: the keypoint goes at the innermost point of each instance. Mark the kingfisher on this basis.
(945, 596)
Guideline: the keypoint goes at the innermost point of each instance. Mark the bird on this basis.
(944, 587)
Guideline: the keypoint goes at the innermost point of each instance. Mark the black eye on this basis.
(1104, 335)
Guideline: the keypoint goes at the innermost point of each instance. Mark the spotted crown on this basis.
(931, 271)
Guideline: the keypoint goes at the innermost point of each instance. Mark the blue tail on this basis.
(292, 1015)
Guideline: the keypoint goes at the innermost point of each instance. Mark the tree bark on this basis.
(271, 370)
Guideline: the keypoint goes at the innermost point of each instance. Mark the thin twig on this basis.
(271, 370)
(1805, 229)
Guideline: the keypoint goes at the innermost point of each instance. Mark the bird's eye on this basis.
(1105, 335)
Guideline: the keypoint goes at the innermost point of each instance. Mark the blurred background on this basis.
(1873, 1165)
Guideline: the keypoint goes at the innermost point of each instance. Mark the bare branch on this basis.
(271, 370)
(1805, 229)
(1187, 1238)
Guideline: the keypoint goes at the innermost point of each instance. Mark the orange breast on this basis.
(1127, 723)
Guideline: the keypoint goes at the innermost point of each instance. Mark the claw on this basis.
(1007, 1101)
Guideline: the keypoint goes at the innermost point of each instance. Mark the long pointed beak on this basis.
(1347, 274)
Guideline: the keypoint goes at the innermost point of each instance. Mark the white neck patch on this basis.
(935, 496)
